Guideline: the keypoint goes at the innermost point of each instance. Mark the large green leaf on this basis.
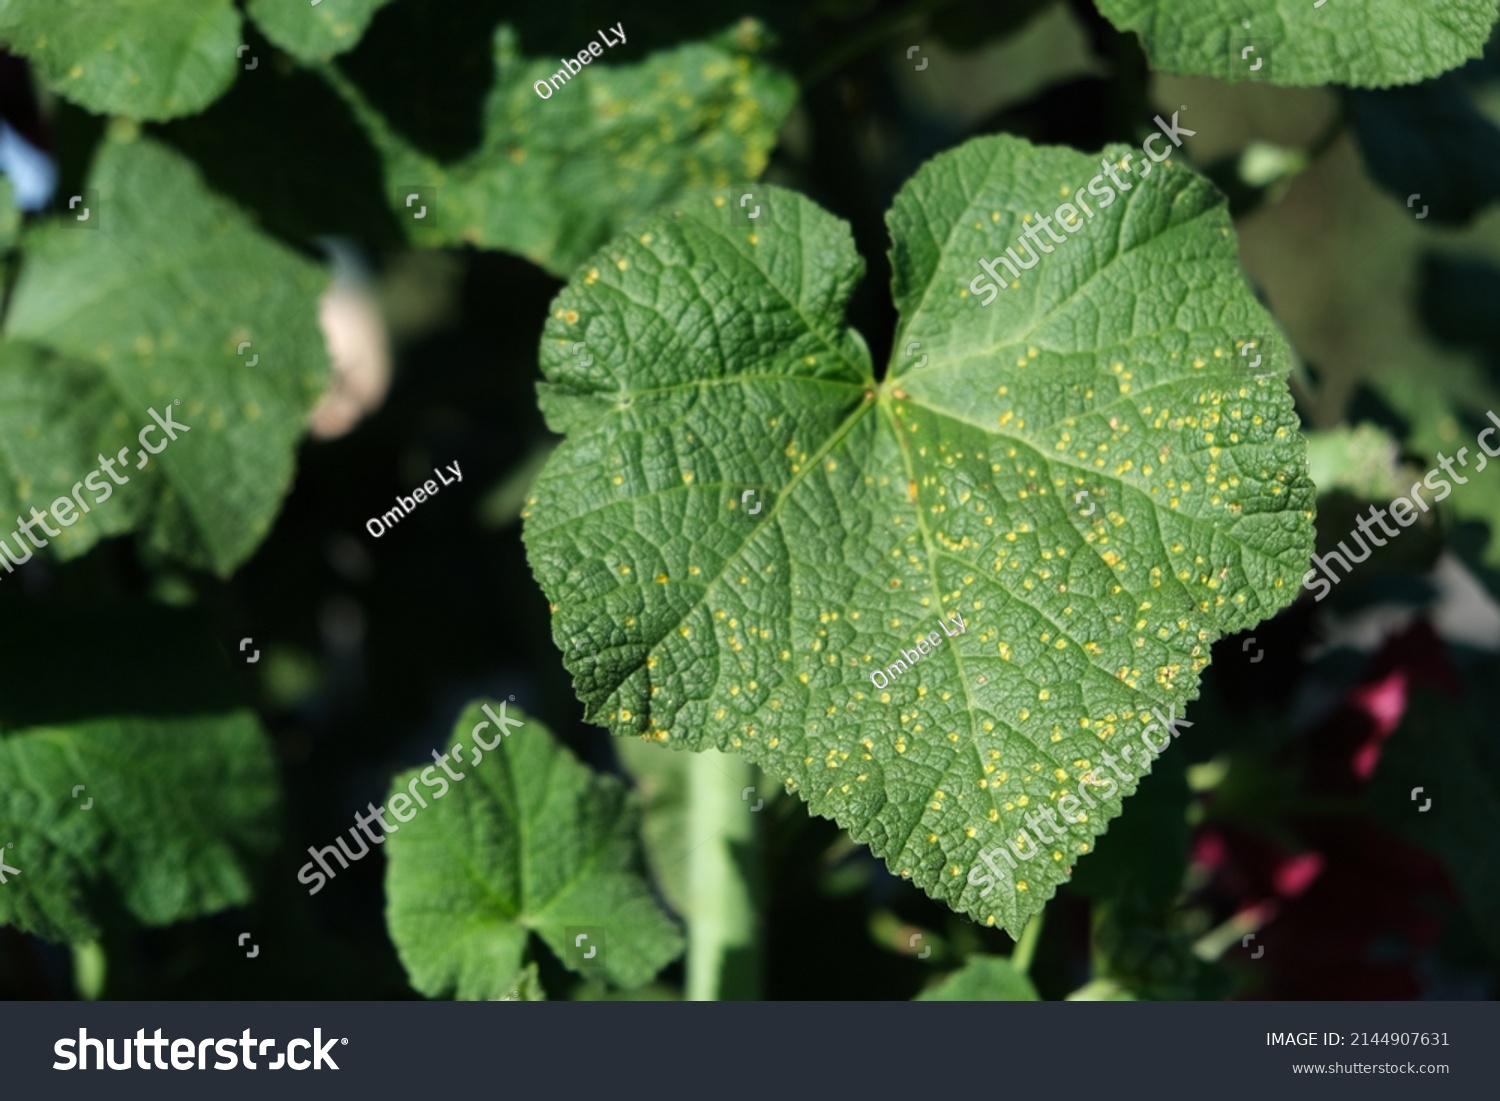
(176, 804)
(314, 33)
(718, 366)
(144, 59)
(554, 178)
(1370, 44)
(527, 841)
(148, 309)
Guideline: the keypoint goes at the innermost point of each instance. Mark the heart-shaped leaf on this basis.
(1371, 44)
(144, 59)
(933, 604)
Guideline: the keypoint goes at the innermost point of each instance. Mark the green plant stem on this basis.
(1020, 959)
(89, 968)
(1214, 943)
(391, 145)
(722, 954)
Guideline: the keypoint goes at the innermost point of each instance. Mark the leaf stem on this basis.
(1214, 943)
(1020, 959)
(382, 135)
(722, 954)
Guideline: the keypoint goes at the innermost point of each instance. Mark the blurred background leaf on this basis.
(613, 142)
(166, 806)
(982, 979)
(1367, 46)
(314, 33)
(143, 59)
(174, 301)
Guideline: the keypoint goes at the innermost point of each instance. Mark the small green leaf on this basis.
(1446, 412)
(144, 59)
(557, 176)
(744, 531)
(173, 296)
(1101, 990)
(314, 33)
(528, 841)
(173, 807)
(1372, 44)
(1364, 460)
(528, 986)
(982, 979)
